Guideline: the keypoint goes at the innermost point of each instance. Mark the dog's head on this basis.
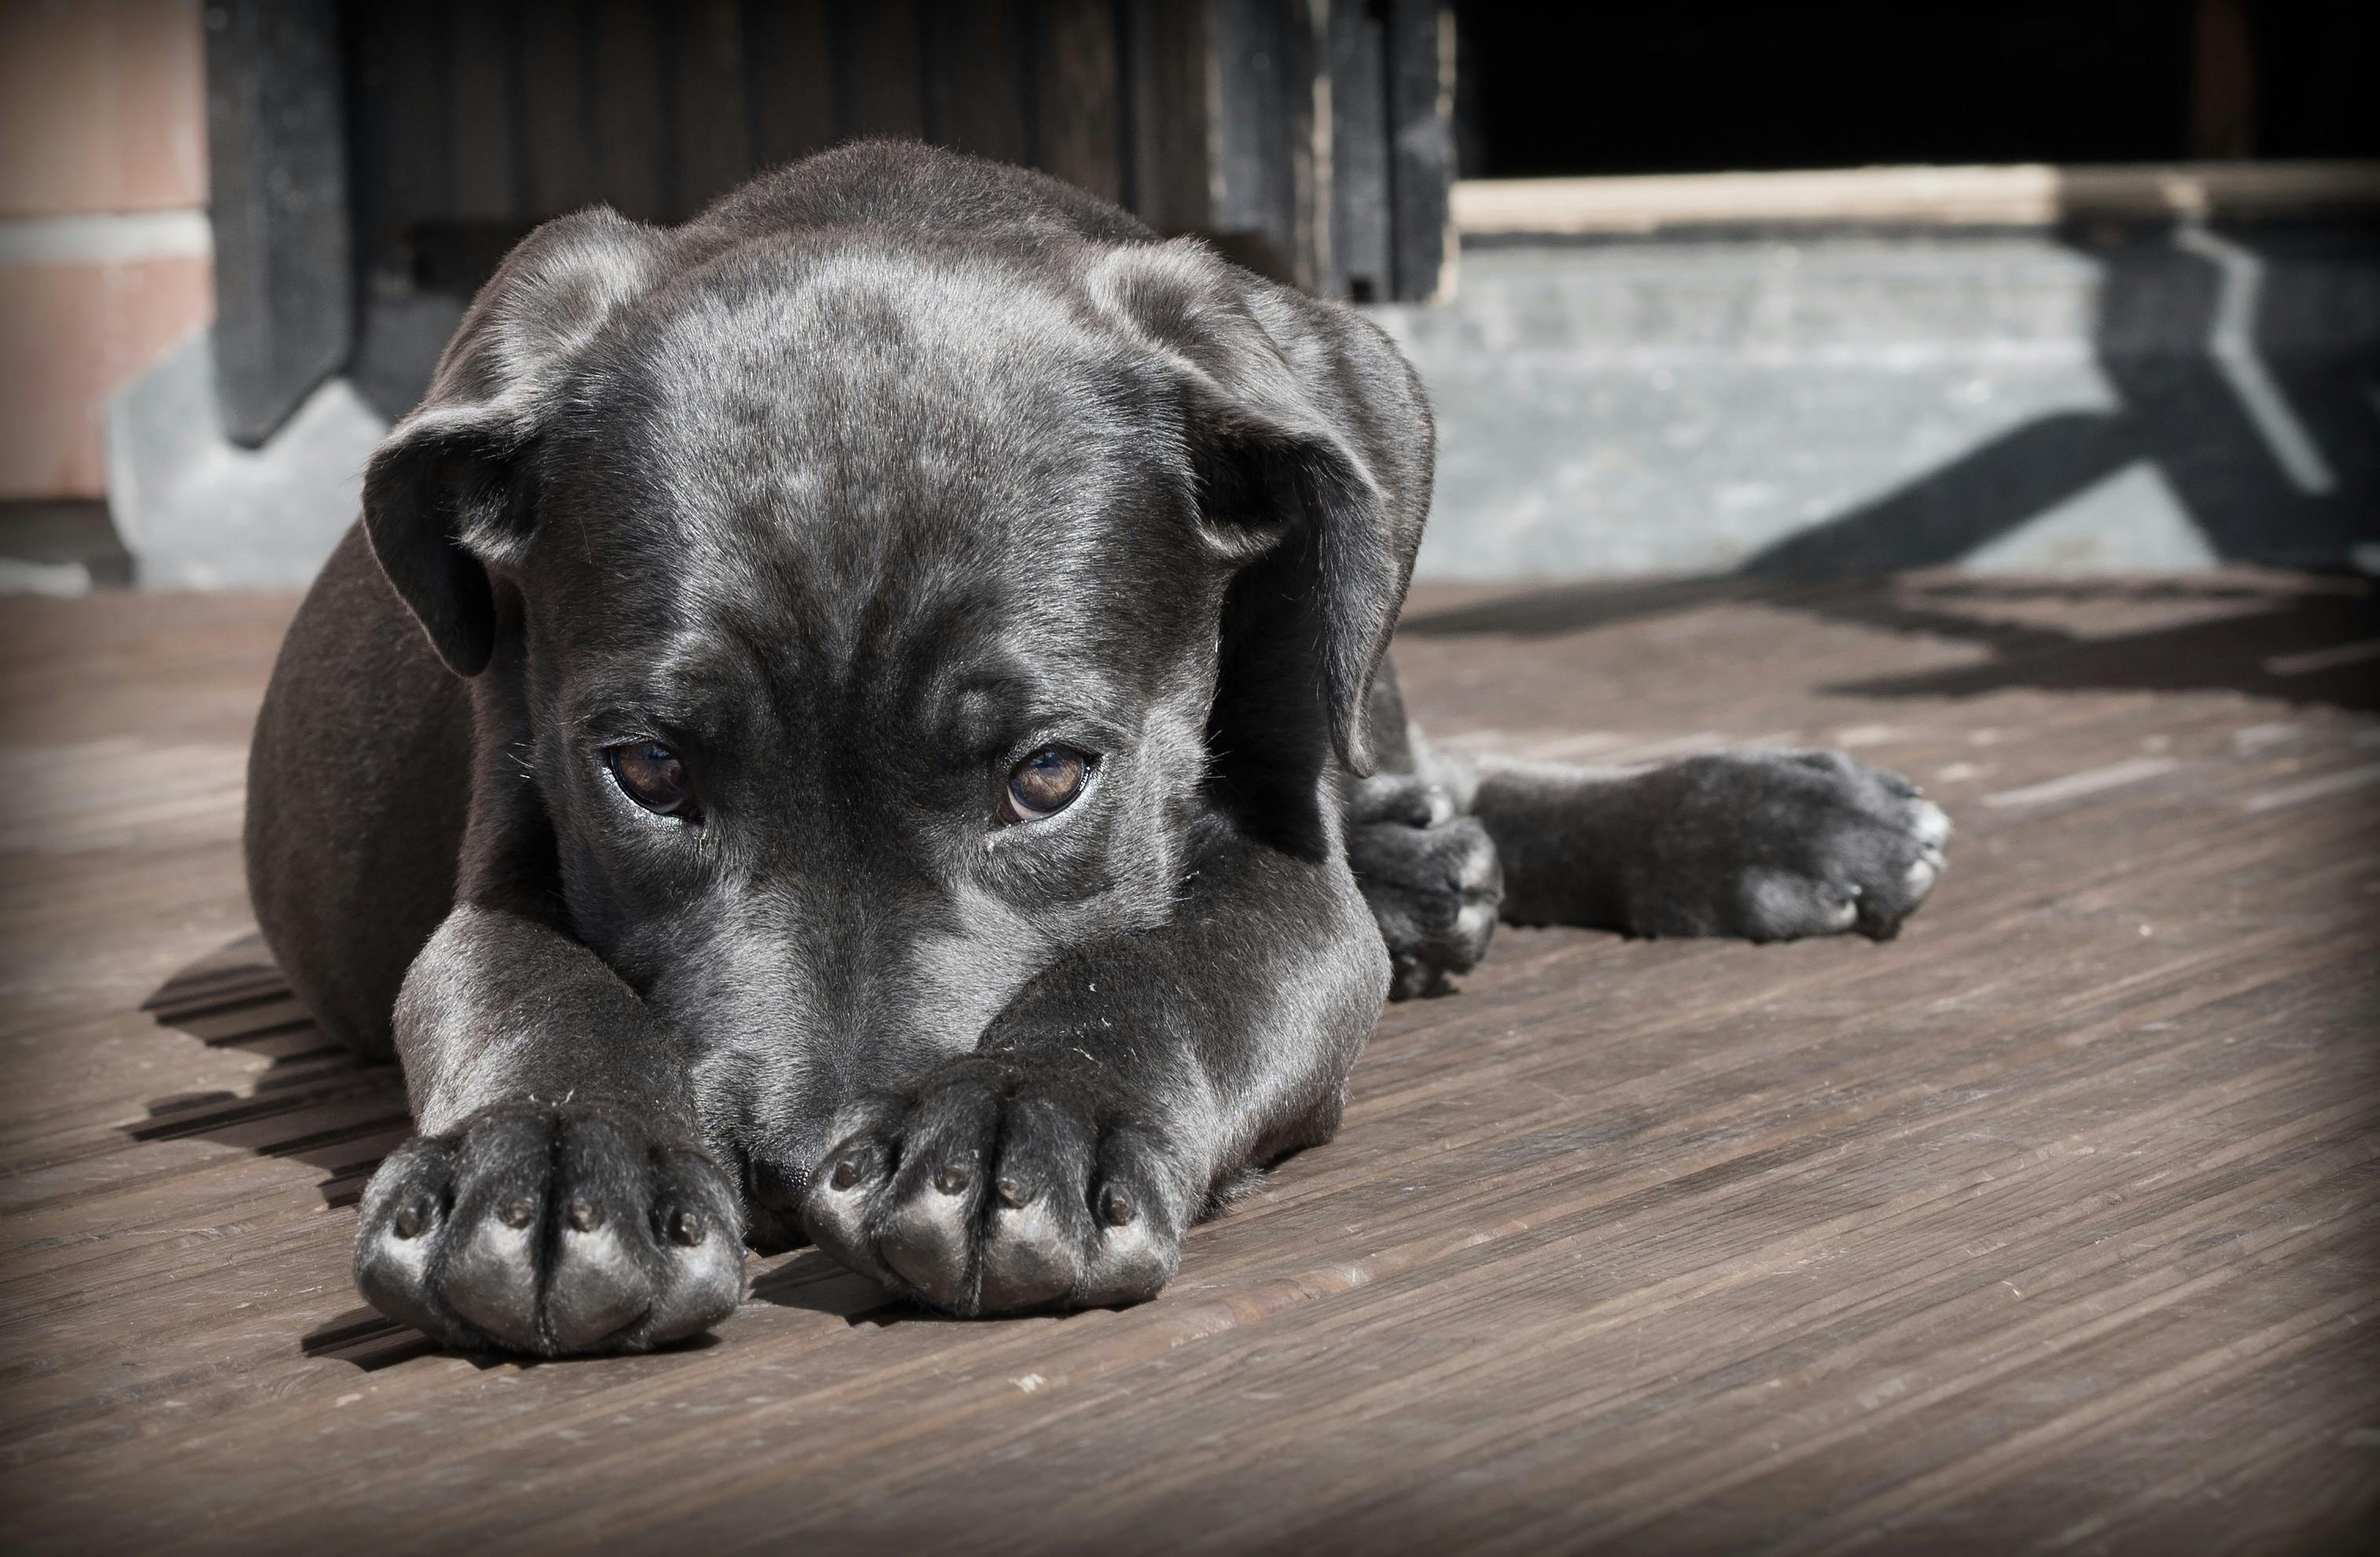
(867, 620)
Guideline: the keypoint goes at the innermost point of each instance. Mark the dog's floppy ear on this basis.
(451, 490)
(1311, 441)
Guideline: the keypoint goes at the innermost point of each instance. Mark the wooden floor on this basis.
(2054, 1224)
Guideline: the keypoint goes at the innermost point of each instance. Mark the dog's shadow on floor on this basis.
(812, 1281)
(318, 1103)
(315, 1101)
(808, 1279)
(366, 1342)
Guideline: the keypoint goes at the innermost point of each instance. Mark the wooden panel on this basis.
(384, 184)
(558, 112)
(713, 124)
(636, 151)
(1171, 66)
(399, 156)
(276, 125)
(977, 77)
(1265, 65)
(789, 86)
(1421, 110)
(482, 46)
(1080, 112)
(2055, 1223)
(879, 71)
(1362, 262)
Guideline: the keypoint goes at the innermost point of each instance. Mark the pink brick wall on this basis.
(103, 140)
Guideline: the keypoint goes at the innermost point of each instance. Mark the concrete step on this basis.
(1862, 401)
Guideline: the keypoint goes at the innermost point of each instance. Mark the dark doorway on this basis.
(1700, 86)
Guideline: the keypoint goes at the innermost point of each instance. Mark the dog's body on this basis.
(858, 715)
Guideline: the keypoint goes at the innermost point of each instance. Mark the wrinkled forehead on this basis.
(872, 395)
(858, 456)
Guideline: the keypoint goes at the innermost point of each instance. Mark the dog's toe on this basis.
(1792, 904)
(490, 1280)
(598, 1288)
(926, 1240)
(1031, 1257)
(405, 1212)
(835, 1211)
(1918, 880)
(694, 1227)
(1137, 1242)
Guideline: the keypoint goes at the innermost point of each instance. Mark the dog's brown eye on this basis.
(650, 774)
(1046, 782)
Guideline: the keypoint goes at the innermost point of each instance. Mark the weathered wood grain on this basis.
(2049, 1226)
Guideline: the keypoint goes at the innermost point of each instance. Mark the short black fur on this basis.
(889, 470)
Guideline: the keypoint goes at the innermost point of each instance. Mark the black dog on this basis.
(865, 714)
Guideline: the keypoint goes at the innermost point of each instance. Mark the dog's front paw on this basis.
(990, 1186)
(1776, 846)
(550, 1231)
(1431, 877)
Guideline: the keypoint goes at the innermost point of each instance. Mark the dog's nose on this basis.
(772, 1204)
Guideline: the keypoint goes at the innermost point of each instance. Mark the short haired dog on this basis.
(865, 717)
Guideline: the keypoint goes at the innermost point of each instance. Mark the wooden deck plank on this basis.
(2056, 1223)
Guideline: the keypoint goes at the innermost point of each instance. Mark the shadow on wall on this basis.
(2257, 407)
(2267, 435)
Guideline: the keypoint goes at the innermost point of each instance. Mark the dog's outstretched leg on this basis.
(1767, 846)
